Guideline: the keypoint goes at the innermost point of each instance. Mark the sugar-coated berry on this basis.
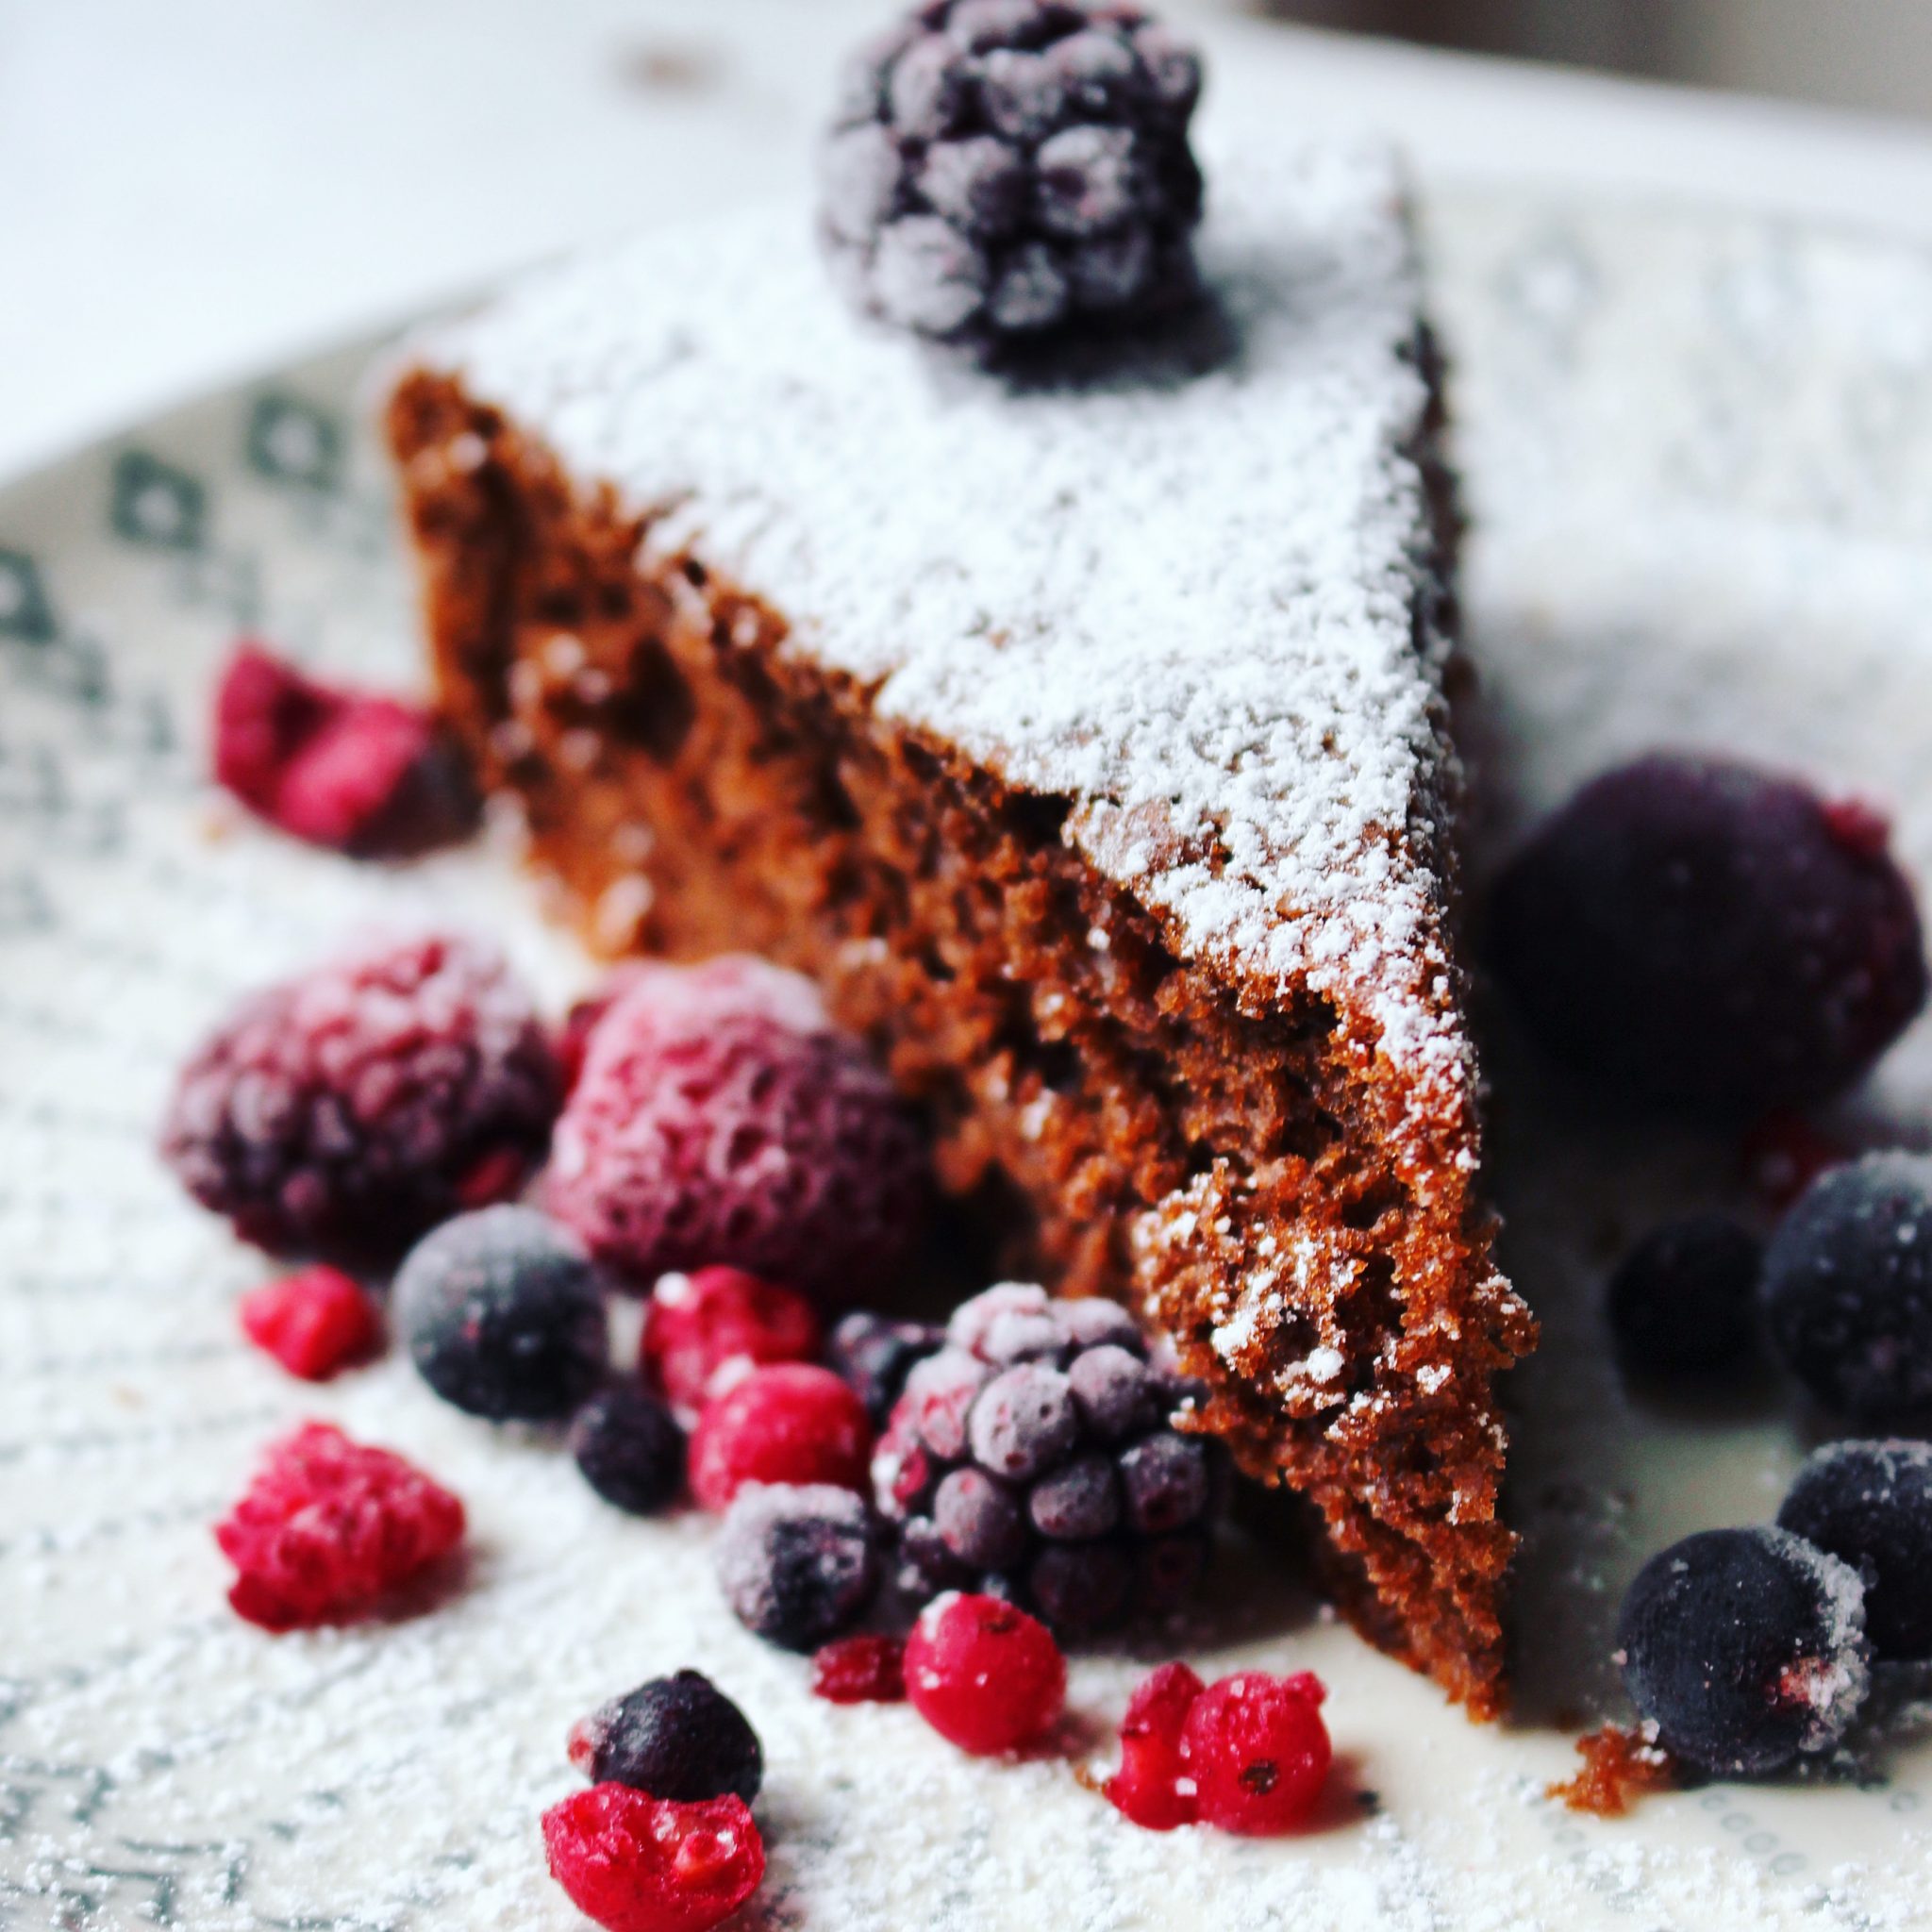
(503, 1315)
(313, 1322)
(866, 1669)
(351, 771)
(703, 1330)
(676, 1737)
(719, 1133)
(330, 1526)
(1684, 1300)
(980, 1518)
(638, 1863)
(1023, 1422)
(1869, 1505)
(1153, 1787)
(788, 1423)
(875, 1354)
(1257, 1750)
(983, 1674)
(630, 1449)
(1848, 1289)
(342, 1114)
(1746, 1647)
(1708, 936)
(798, 1563)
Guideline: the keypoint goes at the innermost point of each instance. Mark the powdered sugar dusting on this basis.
(1189, 599)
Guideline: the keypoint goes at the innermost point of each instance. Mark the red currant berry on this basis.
(788, 1423)
(983, 1674)
(1151, 1787)
(1257, 1750)
(702, 1331)
(314, 1322)
(861, 1670)
(635, 1863)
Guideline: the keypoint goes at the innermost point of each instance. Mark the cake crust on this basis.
(1125, 844)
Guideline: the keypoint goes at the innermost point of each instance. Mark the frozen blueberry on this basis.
(1082, 1588)
(1023, 1421)
(1746, 1647)
(504, 1315)
(1869, 1504)
(1166, 1482)
(1114, 1392)
(874, 1355)
(1080, 1499)
(1710, 937)
(1848, 1289)
(678, 1738)
(631, 1451)
(799, 1563)
(1685, 1298)
(979, 1520)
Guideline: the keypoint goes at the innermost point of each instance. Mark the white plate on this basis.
(1699, 455)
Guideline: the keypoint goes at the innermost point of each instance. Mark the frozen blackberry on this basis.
(503, 1315)
(1684, 1300)
(874, 1354)
(343, 1113)
(1034, 1457)
(1848, 1289)
(1709, 937)
(630, 1449)
(799, 1563)
(1869, 1505)
(676, 1737)
(1746, 1647)
(1003, 169)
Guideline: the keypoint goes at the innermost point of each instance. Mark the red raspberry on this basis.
(790, 1423)
(343, 1113)
(312, 1323)
(983, 1674)
(636, 1863)
(711, 1129)
(328, 1527)
(702, 1331)
(347, 769)
(1257, 1750)
(861, 1670)
(1152, 1787)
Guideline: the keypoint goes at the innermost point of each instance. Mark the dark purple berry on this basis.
(1023, 1422)
(1082, 1588)
(503, 1315)
(1116, 1395)
(979, 1520)
(940, 1394)
(1746, 1647)
(1685, 1298)
(1709, 937)
(1869, 1505)
(678, 1738)
(630, 1449)
(926, 1567)
(1170, 1568)
(1164, 1480)
(1093, 1321)
(874, 1355)
(1079, 1500)
(798, 1563)
(1848, 1290)
(1002, 168)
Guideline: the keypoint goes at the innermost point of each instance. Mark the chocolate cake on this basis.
(1080, 727)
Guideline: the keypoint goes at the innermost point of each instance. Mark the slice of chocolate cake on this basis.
(1081, 730)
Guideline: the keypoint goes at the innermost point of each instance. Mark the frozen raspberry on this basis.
(1705, 935)
(314, 1322)
(1153, 1787)
(1848, 1290)
(1685, 1298)
(791, 1422)
(983, 1674)
(702, 1331)
(701, 1135)
(861, 1670)
(875, 1354)
(676, 1737)
(1002, 169)
(1034, 1456)
(638, 1863)
(1746, 1648)
(1869, 1505)
(342, 1114)
(798, 1563)
(1257, 1750)
(348, 770)
(328, 1527)
(630, 1449)
(504, 1315)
